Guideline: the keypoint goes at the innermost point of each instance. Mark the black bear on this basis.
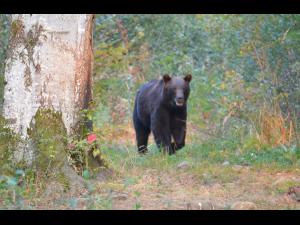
(161, 107)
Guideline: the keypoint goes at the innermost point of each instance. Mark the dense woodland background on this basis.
(244, 107)
(245, 90)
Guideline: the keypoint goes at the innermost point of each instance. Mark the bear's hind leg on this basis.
(142, 140)
(142, 135)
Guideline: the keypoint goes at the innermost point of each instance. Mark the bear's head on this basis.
(177, 89)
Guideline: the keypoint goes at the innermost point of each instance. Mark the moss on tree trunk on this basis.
(8, 143)
(49, 136)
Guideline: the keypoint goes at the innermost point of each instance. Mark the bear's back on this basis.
(148, 98)
(150, 89)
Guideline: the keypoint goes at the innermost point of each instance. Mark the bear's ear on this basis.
(188, 78)
(166, 78)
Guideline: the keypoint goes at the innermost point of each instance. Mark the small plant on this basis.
(137, 205)
(83, 152)
(12, 189)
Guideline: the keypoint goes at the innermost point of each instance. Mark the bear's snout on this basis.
(179, 97)
(179, 101)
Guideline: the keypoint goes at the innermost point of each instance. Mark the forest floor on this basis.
(188, 180)
(234, 187)
(245, 189)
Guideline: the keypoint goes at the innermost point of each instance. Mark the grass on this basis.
(126, 157)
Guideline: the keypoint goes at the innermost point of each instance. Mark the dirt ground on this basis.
(250, 190)
(180, 190)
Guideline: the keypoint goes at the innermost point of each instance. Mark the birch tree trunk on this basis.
(48, 70)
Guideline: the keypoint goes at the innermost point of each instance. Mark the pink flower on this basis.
(91, 138)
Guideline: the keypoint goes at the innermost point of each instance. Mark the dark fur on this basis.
(156, 109)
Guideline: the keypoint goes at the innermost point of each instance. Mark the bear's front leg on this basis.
(178, 130)
(162, 134)
(163, 140)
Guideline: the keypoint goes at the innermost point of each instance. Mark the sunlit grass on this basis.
(124, 158)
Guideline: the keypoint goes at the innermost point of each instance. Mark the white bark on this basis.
(55, 73)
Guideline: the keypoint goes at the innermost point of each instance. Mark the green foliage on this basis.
(82, 155)
(114, 101)
(12, 190)
(244, 67)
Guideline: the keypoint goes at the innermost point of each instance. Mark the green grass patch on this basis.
(197, 155)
